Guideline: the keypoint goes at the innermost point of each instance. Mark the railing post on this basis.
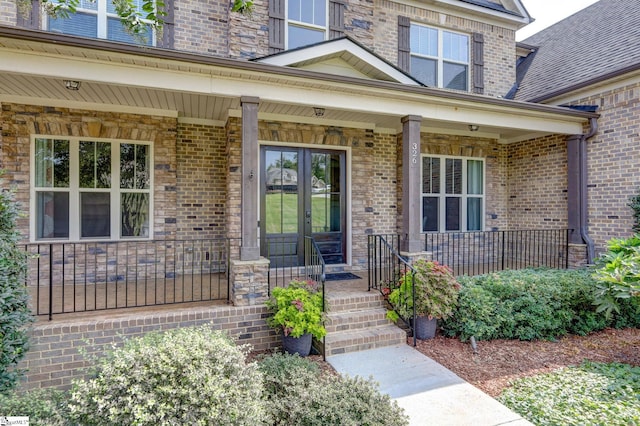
(51, 282)
(504, 237)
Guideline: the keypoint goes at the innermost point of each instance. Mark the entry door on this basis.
(302, 193)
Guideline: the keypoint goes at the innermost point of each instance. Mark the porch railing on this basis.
(386, 267)
(475, 253)
(81, 277)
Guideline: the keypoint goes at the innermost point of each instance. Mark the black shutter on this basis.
(404, 44)
(32, 18)
(478, 63)
(336, 18)
(276, 25)
(167, 39)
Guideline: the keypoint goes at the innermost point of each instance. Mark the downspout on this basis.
(584, 231)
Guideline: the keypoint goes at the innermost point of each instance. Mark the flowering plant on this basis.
(297, 309)
(436, 292)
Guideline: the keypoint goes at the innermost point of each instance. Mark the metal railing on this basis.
(386, 270)
(476, 253)
(94, 276)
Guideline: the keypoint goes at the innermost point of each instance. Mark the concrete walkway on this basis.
(429, 393)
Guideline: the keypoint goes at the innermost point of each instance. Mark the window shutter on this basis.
(276, 25)
(478, 63)
(336, 18)
(404, 45)
(32, 18)
(167, 39)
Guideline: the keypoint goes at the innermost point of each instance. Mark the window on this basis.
(452, 194)
(97, 19)
(306, 22)
(90, 189)
(439, 58)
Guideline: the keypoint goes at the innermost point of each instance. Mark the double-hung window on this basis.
(439, 58)
(98, 19)
(90, 189)
(306, 22)
(452, 194)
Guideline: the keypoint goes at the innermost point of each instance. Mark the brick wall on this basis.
(202, 27)
(537, 179)
(613, 157)
(55, 357)
(19, 122)
(202, 181)
(7, 12)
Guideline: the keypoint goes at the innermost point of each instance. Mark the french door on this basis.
(302, 193)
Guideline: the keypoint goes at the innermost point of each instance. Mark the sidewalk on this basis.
(429, 393)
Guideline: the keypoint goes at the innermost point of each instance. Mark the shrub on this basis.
(298, 394)
(618, 274)
(15, 314)
(297, 310)
(192, 376)
(531, 304)
(43, 406)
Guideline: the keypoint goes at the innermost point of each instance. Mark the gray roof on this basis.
(495, 5)
(594, 44)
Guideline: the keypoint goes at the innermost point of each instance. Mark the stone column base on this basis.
(577, 256)
(249, 282)
(412, 257)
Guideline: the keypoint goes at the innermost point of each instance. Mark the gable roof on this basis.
(341, 56)
(594, 44)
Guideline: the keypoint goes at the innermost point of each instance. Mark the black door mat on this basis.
(341, 276)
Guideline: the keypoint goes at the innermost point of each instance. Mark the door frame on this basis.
(348, 204)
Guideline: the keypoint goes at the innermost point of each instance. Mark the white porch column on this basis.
(412, 241)
(249, 171)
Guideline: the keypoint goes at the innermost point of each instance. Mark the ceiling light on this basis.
(473, 127)
(72, 84)
(319, 112)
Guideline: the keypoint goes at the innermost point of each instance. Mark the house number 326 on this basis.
(414, 153)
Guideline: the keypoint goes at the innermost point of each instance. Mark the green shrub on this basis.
(618, 274)
(297, 310)
(192, 376)
(592, 394)
(43, 406)
(298, 394)
(15, 314)
(531, 304)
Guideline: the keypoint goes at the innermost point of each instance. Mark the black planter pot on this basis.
(425, 328)
(297, 345)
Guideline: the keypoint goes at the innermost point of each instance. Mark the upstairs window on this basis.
(98, 19)
(90, 189)
(306, 22)
(452, 194)
(439, 58)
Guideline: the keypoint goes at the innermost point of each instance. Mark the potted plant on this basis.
(296, 310)
(436, 296)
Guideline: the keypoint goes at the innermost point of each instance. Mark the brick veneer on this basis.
(613, 156)
(55, 357)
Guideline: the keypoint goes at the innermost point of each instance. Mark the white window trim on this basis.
(301, 24)
(74, 191)
(440, 58)
(443, 195)
(102, 15)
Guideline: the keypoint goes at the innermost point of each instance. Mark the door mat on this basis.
(341, 276)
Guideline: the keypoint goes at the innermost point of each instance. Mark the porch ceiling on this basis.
(151, 81)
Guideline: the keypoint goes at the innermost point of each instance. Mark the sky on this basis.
(548, 12)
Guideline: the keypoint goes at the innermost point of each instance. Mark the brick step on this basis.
(343, 302)
(355, 320)
(364, 339)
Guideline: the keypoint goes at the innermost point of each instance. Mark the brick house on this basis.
(592, 59)
(355, 119)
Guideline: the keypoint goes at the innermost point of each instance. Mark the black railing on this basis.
(81, 277)
(315, 269)
(476, 253)
(387, 269)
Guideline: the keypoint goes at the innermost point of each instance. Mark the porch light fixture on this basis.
(72, 84)
(319, 112)
(473, 127)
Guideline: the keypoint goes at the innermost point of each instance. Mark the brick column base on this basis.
(577, 256)
(249, 282)
(412, 257)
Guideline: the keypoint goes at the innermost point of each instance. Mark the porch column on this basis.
(573, 189)
(412, 240)
(249, 171)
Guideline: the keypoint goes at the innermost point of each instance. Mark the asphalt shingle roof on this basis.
(602, 39)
